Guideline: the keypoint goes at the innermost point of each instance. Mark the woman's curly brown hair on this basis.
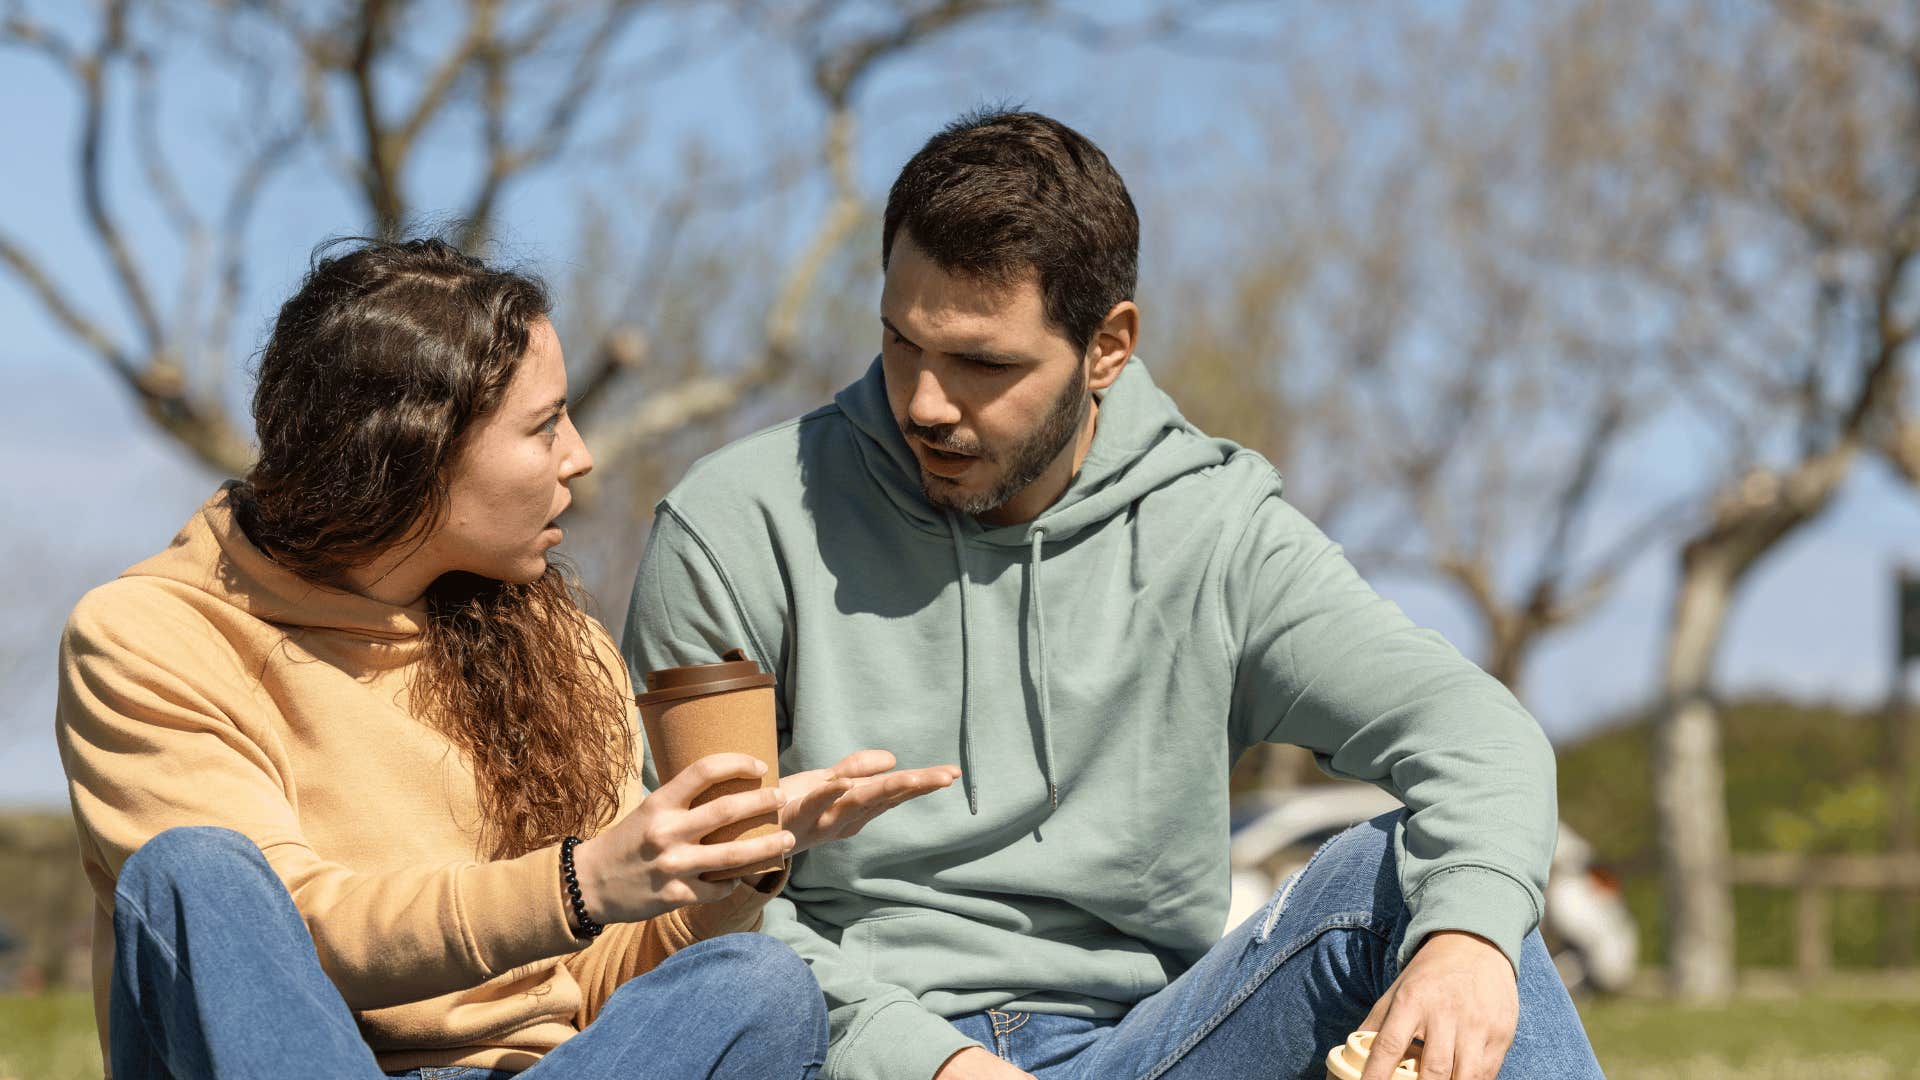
(376, 370)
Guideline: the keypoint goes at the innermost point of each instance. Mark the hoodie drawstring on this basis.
(1039, 636)
(1040, 644)
(966, 669)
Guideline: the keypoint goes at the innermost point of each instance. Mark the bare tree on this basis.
(174, 361)
(1762, 173)
(510, 91)
(1461, 402)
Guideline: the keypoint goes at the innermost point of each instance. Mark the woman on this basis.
(360, 665)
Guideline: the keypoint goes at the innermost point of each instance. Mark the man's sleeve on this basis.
(685, 611)
(1328, 664)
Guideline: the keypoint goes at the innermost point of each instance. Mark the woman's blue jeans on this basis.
(1272, 997)
(215, 976)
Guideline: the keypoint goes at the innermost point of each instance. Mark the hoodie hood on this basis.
(213, 556)
(1140, 443)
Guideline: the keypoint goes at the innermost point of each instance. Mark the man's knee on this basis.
(1363, 854)
(1353, 876)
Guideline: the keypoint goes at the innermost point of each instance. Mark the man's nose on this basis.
(930, 406)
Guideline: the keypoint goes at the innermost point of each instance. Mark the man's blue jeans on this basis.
(1272, 997)
(215, 975)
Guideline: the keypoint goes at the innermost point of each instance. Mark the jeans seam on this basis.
(1346, 921)
(140, 921)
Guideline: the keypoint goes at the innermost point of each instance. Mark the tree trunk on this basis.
(1511, 645)
(1689, 790)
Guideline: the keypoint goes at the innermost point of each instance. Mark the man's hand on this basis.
(835, 803)
(1458, 994)
(979, 1063)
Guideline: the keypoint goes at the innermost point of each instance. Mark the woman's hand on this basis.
(650, 861)
(835, 803)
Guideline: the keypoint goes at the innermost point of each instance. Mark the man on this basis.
(1004, 546)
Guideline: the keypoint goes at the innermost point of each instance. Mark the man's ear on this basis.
(1112, 344)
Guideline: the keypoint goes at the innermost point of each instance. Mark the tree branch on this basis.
(379, 166)
(92, 166)
(1901, 448)
(41, 285)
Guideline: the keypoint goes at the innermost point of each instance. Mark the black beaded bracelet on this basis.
(588, 928)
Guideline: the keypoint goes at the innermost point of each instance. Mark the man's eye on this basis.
(894, 336)
(988, 365)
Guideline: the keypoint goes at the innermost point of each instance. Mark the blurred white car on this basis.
(1586, 926)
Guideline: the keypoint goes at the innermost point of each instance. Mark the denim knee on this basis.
(1352, 878)
(781, 990)
(779, 975)
(179, 855)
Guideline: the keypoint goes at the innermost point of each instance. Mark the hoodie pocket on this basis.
(923, 951)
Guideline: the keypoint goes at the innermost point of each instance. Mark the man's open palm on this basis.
(837, 802)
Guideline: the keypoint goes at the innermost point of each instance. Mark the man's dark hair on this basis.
(999, 195)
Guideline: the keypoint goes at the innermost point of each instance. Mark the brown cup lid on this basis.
(735, 672)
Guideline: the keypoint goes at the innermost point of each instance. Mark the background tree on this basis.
(1760, 173)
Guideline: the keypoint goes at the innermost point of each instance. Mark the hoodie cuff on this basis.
(513, 911)
(1474, 899)
(899, 1041)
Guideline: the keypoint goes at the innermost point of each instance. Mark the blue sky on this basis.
(91, 488)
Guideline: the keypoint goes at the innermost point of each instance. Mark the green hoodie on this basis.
(1095, 673)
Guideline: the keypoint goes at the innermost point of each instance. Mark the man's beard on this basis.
(1024, 463)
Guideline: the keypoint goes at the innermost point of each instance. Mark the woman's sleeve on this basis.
(147, 748)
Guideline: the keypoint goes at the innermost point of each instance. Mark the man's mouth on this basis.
(945, 463)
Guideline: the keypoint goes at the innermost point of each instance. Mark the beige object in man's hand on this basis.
(1346, 1061)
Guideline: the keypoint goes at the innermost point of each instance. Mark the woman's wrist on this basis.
(580, 887)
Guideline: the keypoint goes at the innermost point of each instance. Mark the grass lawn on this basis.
(1818, 1038)
(1805, 1038)
(48, 1037)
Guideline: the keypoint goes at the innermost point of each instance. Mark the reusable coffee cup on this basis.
(690, 712)
(1346, 1061)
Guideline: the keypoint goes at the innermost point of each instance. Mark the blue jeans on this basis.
(1272, 997)
(215, 975)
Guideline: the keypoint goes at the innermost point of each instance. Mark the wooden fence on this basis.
(1813, 879)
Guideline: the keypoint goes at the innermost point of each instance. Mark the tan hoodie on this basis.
(210, 686)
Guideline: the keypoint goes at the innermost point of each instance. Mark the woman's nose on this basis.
(578, 460)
